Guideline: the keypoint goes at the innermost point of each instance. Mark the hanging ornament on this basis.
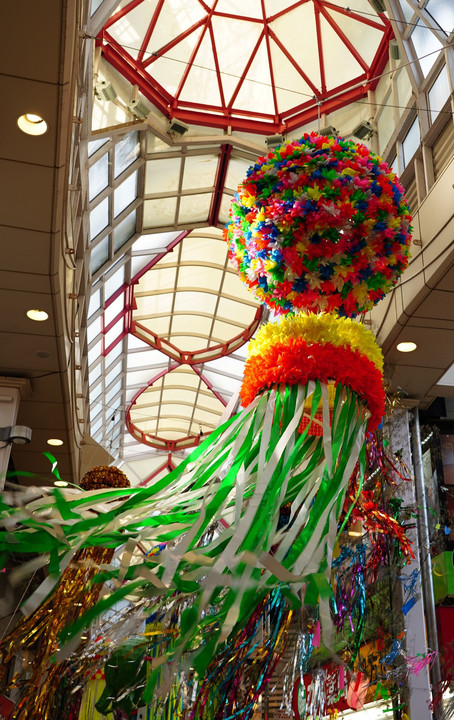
(318, 224)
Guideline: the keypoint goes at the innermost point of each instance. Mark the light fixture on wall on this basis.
(329, 130)
(274, 140)
(16, 434)
(394, 51)
(363, 131)
(378, 5)
(139, 108)
(105, 91)
(32, 124)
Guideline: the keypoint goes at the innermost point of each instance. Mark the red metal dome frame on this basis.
(139, 70)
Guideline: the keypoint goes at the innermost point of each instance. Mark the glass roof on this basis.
(169, 320)
(254, 66)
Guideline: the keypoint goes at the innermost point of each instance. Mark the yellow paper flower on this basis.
(319, 328)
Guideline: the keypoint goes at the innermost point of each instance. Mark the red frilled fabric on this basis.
(295, 361)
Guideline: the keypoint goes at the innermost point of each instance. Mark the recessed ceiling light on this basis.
(32, 124)
(406, 346)
(61, 483)
(55, 441)
(38, 315)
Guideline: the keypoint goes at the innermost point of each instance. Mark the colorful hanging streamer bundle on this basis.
(71, 597)
(243, 473)
(318, 224)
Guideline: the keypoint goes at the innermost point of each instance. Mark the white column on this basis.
(11, 391)
(419, 688)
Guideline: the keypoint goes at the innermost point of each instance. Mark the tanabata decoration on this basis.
(68, 598)
(319, 224)
(238, 479)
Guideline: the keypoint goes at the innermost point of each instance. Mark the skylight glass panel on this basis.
(95, 352)
(96, 391)
(114, 282)
(113, 333)
(407, 10)
(443, 13)
(98, 176)
(159, 213)
(95, 427)
(99, 255)
(99, 218)
(112, 392)
(94, 145)
(112, 374)
(438, 93)
(162, 175)
(194, 208)
(114, 354)
(114, 309)
(411, 142)
(93, 330)
(125, 194)
(95, 302)
(126, 152)
(199, 171)
(125, 230)
(95, 374)
(426, 45)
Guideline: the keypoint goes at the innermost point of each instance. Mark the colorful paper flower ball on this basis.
(320, 224)
(104, 477)
(325, 347)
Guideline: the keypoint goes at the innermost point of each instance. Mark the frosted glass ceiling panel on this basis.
(99, 218)
(125, 194)
(146, 358)
(336, 72)
(194, 208)
(159, 213)
(162, 175)
(184, 300)
(98, 176)
(199, 171)
(426, 45)
(200, 277)
(126, 152)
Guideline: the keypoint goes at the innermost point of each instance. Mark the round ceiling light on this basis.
(37, 315)
(61, 483)
(55, 442)
(32, 124)
(406, 346)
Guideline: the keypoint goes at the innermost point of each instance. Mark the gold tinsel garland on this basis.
(40, 631)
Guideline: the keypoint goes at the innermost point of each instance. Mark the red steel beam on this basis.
(321, 60)
(270, 62)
